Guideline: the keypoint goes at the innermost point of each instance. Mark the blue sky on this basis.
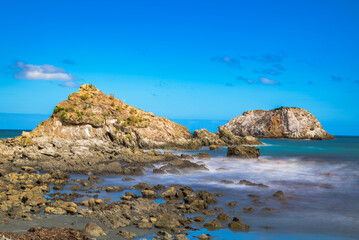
(185, 59)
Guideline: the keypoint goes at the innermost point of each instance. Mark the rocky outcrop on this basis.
(91, 114)
(96, 133)
(284, 122)
(243, 152)
(207, 138)
(230, 139)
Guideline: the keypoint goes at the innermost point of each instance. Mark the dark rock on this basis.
(237, 225)
(213, 224)
(199, 219)
(279, 194)
(223, 217)
(243, 152)
(232, 204)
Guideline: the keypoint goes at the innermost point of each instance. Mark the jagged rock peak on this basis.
(283, 122)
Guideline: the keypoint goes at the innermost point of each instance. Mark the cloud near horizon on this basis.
(45, 72)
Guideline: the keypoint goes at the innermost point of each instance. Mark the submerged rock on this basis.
(283, 122)
(179, 166)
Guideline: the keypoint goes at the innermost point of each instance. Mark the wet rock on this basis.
(218, 209)
(93, 229)
(58, 174)
(249, 209)
(207, 197)
(208, 212)
(204, 237)
(213, 147)
(163, 235)
(238, 225)
(127, 234)
(179, 166)
(181, 237)
(198, 205)
(171, 193)
(167, 221)
(113, 189)
(213, 224)
(203, 155)
(159, 187)
(279, 194)
(232, 204)
(253, 196)
(149, 194)
(269, 209)
(226, 182)
(186, 156)
(243, 152)
(95, 179)
(199, 219)
(126, 179)
(252, 184)
(223, 217)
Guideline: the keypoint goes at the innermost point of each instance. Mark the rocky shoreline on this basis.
(93, 134)
(26, 196)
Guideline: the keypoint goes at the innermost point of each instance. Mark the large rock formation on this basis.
(97, 133)
(284, 122)
(91, 114)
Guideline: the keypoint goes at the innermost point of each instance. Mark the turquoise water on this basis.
(321, 177)
(10, 133)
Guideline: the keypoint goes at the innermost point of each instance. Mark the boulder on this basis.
(167, 221)
(213, 224)
(93, 229)
(243, 152)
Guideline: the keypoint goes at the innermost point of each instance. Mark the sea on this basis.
(320, 180)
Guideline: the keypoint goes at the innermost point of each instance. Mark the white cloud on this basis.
(42, 72)
(70, 84)
(268, 81)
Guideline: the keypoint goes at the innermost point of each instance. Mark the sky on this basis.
(184, 59)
